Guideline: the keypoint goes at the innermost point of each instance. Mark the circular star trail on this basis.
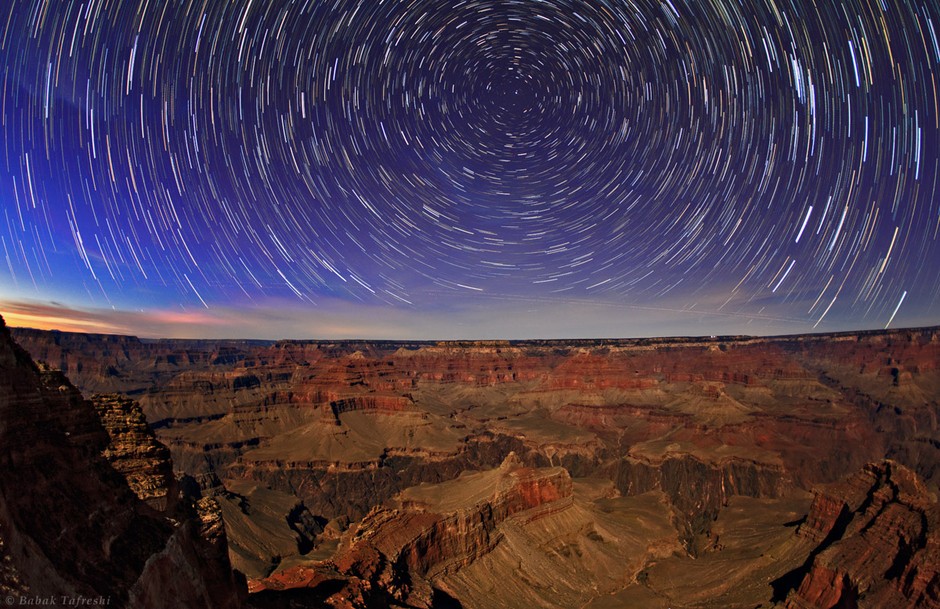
(766, 157)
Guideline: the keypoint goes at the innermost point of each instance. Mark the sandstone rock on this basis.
(135, 452)
(391, 555)
(878, 539)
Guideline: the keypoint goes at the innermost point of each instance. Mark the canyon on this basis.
(796, 471)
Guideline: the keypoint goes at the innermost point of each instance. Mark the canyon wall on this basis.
(878, 536)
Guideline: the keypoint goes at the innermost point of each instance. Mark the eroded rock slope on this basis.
(713, 446)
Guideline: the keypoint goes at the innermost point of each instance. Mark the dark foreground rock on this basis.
(73, 530)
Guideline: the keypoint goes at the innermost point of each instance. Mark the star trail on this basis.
(471, 168)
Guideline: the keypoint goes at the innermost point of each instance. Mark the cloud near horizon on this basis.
(57, 316)
(263, 322)
(506, 318)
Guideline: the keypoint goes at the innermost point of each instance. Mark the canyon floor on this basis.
(797, 471)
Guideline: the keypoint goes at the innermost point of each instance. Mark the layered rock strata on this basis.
(345, 429)
(135, 453)
(878, 537)
(396, 551)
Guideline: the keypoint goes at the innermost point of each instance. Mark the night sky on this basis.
(469, 168)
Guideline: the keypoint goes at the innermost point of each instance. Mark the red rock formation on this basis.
(879, 544)
(198, 382)
(703, 420)
(393, 551)
(384, 403)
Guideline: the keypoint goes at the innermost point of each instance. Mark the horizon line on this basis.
(432, 341)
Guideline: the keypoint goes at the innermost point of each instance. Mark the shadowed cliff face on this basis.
(694, 438)
(71, 526)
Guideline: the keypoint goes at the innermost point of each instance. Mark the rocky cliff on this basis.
(393, 554)
(699, 490)
(878, 544)
(72, 528)
(135, 453)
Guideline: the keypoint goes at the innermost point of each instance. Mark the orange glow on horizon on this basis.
(64, 324)
(155, 323)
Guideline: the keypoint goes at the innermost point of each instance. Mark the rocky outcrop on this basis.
(479, 502)
(135, 453)
(70, 524)
(878, 538)
(392, 555)
(379, 403)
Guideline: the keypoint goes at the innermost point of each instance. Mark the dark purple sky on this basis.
(472, 168)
